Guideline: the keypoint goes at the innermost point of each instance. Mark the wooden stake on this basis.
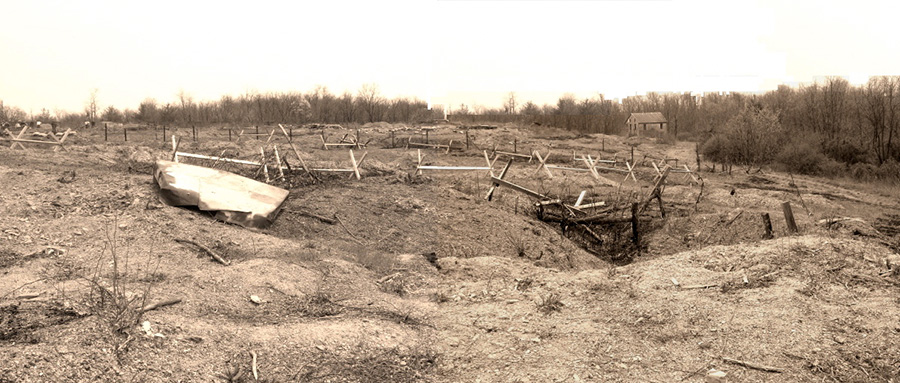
(263, 161)
(278, 161)
(353, 162)
(125, 133)
(789, 217)
(767, 224)
(635, 231)
(105, 132)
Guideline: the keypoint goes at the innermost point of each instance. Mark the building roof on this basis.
(648, 118)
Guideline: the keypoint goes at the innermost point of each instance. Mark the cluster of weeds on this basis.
(518, 244)
(550, 303)
(523, 284)
(321, 304)
(108, 296)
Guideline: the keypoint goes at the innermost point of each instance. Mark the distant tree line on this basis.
(318, 105)
(824, 127)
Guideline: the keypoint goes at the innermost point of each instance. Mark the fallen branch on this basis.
(752, 365)
(346, 229)
(253, 367)
(311, 215)
(211, 253)
(157, 305)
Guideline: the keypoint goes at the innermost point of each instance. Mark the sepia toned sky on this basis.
(53, 53)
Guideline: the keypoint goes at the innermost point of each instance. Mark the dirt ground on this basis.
(422, 279)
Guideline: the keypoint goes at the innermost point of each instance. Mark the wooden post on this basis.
(632, 154)
(515, 144)
(697, 154)
(105, 132)
(229, 134)
(426, 136)
(767, 223)
(357, 138)
(164, 133)
(257, 132)
(467, 138)
(393, 145)
(603, 145)
(635, 230)
(194, 131)
(125, 132)
(789, 217)
(291, 134)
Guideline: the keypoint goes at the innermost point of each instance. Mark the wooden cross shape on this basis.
(543, 163)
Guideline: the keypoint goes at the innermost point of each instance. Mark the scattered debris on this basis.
(715, 376)
(211, 253)
(154, 306)
(753, 365)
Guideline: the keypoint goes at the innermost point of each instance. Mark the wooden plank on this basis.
(430, 167)
(520, 155)
(567, 168)
(518, 188)
(591, 205)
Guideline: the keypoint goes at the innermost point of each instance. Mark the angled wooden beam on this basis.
(297, 153)
(175, 143)
(520, 189)
(543, 163)
(15, 139)
(489, 164)
(278, 160)
(494, 185)
(580, 198)
(355, 167)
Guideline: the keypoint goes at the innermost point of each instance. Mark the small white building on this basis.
(652, 123)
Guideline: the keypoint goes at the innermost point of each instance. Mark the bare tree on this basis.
(370, 101)
(91, 108)
(509, 106)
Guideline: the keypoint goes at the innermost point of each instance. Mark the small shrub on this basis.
(550, 304)
(801, 156)
(518, 244)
